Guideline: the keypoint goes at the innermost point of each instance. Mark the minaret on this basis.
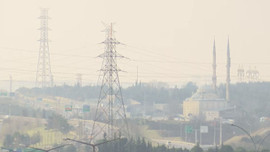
(214, 77)
(228, 73)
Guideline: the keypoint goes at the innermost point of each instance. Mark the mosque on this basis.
(205, 103)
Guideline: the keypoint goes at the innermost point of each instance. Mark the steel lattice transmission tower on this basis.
(44, 76)
(110, 117)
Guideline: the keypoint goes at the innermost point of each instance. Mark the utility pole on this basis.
(200, 137)
(220, 132)
(196, 136)
(215, 133)
(110, 107)
(137, 76)
(79, 80)
(10, 84)
(185, 134)
(44, 76)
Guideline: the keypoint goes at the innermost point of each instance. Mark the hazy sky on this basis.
(168, 40)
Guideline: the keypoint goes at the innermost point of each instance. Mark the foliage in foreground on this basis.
(138, 145)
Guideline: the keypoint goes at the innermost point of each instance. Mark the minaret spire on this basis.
(214, 77)
(228, 72)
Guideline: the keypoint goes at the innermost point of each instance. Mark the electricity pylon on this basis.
(110, 117)
(44, 76)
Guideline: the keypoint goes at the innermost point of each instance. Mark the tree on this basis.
(196, 148)
(226, 148)
(58, 122)
(240, 149)
(35, 138)
(211, 150)
(8, 141)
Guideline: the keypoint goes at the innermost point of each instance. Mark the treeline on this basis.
(242, 94)
(17, 140)
(72, 92)
(140, 145)
(151, 93)
(11, 107)
(251, 98)
(139, 92)
(23, 142)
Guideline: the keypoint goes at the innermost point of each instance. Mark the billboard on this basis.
(68, 107)
(204, 129)
(86, 108)
(188, 129)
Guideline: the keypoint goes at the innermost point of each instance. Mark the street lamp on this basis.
(92, 145)
(251, 138)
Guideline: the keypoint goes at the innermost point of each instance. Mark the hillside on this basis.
(261, 138)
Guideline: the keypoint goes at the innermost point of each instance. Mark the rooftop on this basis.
(205, 93)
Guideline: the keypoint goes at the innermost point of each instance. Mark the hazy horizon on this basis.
(168, 41)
